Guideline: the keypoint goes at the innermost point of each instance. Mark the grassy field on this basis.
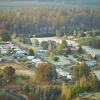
(62, 61)
(20, 69)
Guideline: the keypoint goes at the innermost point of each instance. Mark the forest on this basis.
(48, 19)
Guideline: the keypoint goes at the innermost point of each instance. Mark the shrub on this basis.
(75, 90)
(56, 59)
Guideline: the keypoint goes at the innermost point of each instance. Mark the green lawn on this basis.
(62, 60)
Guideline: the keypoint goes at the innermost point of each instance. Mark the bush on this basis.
(75, 56)
(75, 90)
(56, 59)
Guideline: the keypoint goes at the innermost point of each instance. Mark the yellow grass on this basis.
(20, 69)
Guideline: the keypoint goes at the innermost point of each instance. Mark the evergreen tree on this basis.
(5, 36)
(31, 52)
(80, 49)
(69, 50)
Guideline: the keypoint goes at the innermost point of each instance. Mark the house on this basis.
(91, 63)
(63, 73)
(0, 59)
(97, 55)
(20, 52)
(36, 61)
(72, 43)
(30, 57)
(73, 50)
(93, 52)
(3, 51)
(18, 55)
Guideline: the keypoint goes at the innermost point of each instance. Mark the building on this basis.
(63, 73)
(91, 63)
(3, 51)
(93, 52)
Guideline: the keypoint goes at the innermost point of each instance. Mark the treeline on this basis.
(39, 19)
(95, 43)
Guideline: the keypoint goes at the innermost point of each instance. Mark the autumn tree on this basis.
(49, 19)
(94, 82)
(83, 82)
(9, 73)
(80, 70)
(59, 48)
(65, 92)
(45, 73)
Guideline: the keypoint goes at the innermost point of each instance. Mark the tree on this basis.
(64, 43)
(83, 35)
(31, 52)
(26, 88)
(58, 34)
(9, 73)
(47, 93)
(45, 73)
(80, 70)
(56, 59)
(95, 43)
(14, 35)
(83, 82)
(53, 93)
(5, 36)
(69, 50)
(93, 33)
(29, 21)
(59, 48)
(80, 49)
(50, 46)
(36, 42)
(94, 82)
(66, 92)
